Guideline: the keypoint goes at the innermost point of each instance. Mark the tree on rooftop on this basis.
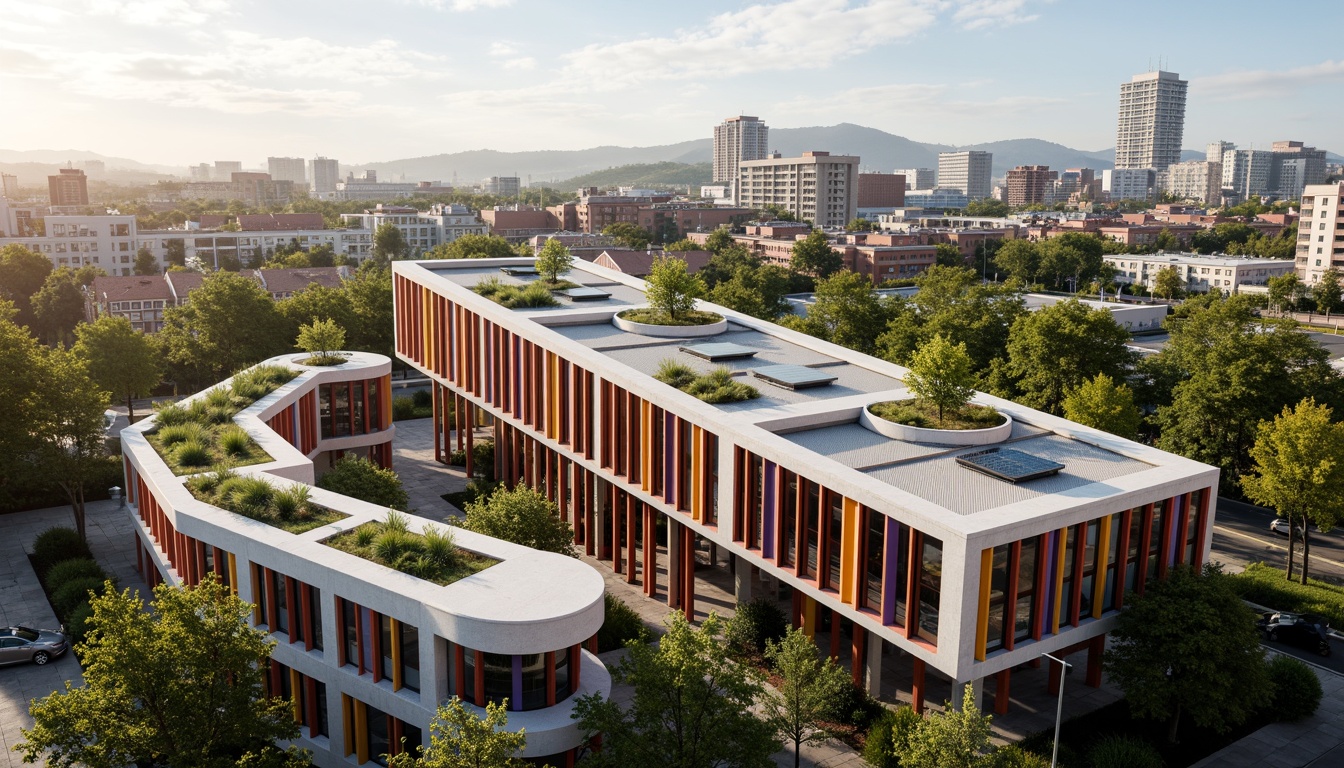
(940, 374)
(554, 260)
(671, 290)
(321, 338)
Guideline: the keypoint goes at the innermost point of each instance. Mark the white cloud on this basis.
(158, 13)
(521, 63)
(1265, 83)
(980, 14)
(466, 5)
(902, 103)
(501, 48)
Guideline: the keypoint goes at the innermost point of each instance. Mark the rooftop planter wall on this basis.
(641, 320)
(933, 435)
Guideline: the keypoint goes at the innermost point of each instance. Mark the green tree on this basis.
(954, 738)
(461, 739)
(135, 706)
(778, 213)
(317, 302)
(145, 263)
(671, 290)
(359, 478)
(953, 302)
(1326, 292)
(1299, 471)
(1054, 350)
(759, 292)
(58, 306)
(1228, 370)
(940, 373)
(859, 224)
(809, 688)
(987, 207)
(120, 359)
(370, 292)
(67, 421)
(1167, 240)
(473, 247)
(176, 250)
(1168, 283)
(389, 244)
(522, 515)
(554, 260)
(846, 311)
(1284, 291)
(229, 324)
(1103, 404)
(629, 235)
(726, 262)
(23, 361)
(1021, 259)
(691, 708)
(814, 256)
(682, 245)
(321, 338)
(948, 255)
(1188, 648)
(1072, 255)
(22, 274)
(718, 240)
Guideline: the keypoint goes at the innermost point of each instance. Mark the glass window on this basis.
(1192, 526)
(322, 709)
(534, 681)
(1070, 555)
(835, 538)
(1155, 538)
(1132, 565)
(788, 520)
(1112, 558)
(498, 677)
(386, 638)
(340, 409)
(1026, 588)
(259, 592)
(378, 737)
(562, 689)
(411, 738)
(357, 405)
(998, 597)
(469, 674)
(281, 584)
(930, 587)
(375, 422)
(351, 630)
(757, 500)
(315, 606)
(813, 524)
(410, 657)
(324, 408)
(1089, 569)
(873, 557)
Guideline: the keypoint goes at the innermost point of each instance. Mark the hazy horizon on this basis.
(179, 82)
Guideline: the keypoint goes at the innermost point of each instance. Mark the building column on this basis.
(1002, 681)
(688, 571)
(917, 686)
(614, 506)
(741, 581)
(674, 580)
(1095, 650)
(959, 690)
(810, 617)
(630, 530)
(872, 667)
(650, 551)
(856, 640)
(597, 529)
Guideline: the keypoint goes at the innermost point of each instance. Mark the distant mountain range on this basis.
(664, 164)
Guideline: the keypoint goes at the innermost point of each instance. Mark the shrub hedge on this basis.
(620, 626)
(55, 545)
(755, 623)
(1265, 585)
(1297, 690)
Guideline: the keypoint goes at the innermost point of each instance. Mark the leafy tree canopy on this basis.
(940, 373)
(809, 688)
(207, 339)
(554, 260)
(522, 515)
(1103, 404)
(461, 739)
(58, 306)
(359, 478)
(120, 359)
(473, 247)
(671, 289)
(389, 244)
(629, 235)
(814, 256)
(321, 338)
(953, 738)
(22, 274)
(846, 311)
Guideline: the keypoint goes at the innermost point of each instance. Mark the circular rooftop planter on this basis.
(668, 331)
(986, 436)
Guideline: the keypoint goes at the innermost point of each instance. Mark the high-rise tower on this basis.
(1152, 121)
(737, 139)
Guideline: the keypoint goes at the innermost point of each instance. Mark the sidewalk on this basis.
(22, 602)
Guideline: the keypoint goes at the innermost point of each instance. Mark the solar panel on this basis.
(585, 293)
(1009, 464)
(719, 351)
(793, 376)
(519, 270)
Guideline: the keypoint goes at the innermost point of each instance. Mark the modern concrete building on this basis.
(1030, 184)
(1200, 273)
(254, 189)
(1128, 183)
(959, 556)
(942, 197)
(326, 174)
(68, 188)
(1193, 180)
(968, 172)
(224, 170)
(368, 652)
(918, 178)
(1151, 122)
(818, 187)
(1215, 150)
(291, 169)
(422, 229)
(501, 186)
(1320, 231)
(1295, 168)
(1247, 172)
(737, 139)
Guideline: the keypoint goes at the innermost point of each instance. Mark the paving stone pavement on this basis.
(22, 602)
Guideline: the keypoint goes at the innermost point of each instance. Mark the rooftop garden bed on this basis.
(923, 414)
(193, 437)
(432, 555)
(530, 296)
(324, 360)
(714, 387)
(254, 497)
(650, 316)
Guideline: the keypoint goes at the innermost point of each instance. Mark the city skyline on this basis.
(190, 81)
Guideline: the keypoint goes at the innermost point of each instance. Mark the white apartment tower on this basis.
(288, 169)
(1214, 152)
(326, 174)
(1320, 231)
(968, 172)
(1152, 121)
(917, 178)
(737, 139)
(818, 187)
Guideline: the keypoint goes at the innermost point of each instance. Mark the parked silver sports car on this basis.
(20, 644)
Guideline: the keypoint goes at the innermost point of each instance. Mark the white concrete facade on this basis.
(1151, 122)
(529, 602)
(818, 187)
(1201, 274)
(422, 229)
(968, 172)
(737, 139)
(1320, 232)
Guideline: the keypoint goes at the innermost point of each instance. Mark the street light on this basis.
(1059, 709)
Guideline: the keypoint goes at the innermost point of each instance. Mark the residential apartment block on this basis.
(254, 189)
(1031, 184)
(291, 169)
(502, 186)
(367, 652)
(326, 174)
(917, 178)
(68, 188)
(1320, 231)
(1200, 273)
(441, 224)
(970, 559)
(818, 187)
(737, 139)
(1247, 172)
(966, 172)
(1151, 123)
(1128, 183)
(1198, 180)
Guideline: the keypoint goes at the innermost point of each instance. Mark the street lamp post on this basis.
(1059, 708)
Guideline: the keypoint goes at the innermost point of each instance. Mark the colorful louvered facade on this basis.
(888, 543)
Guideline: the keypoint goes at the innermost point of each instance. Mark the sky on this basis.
(178, 82)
